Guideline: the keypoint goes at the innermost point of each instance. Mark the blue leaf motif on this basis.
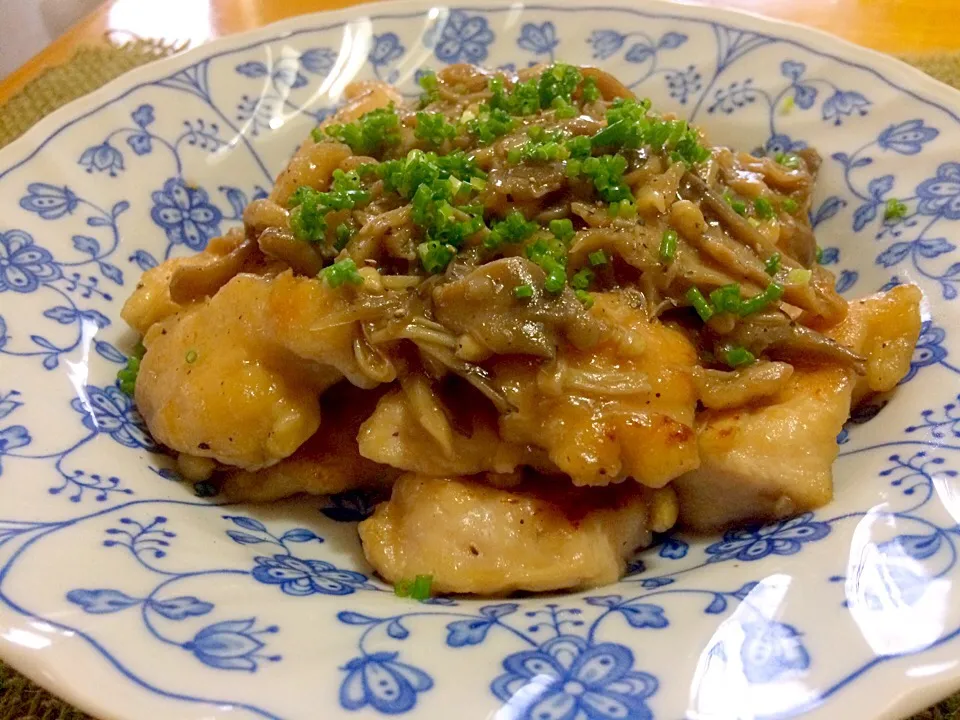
(610, 601)
(644, 615)
(51, 361)
(180, 608)
(639, 53)
(804, 96)
(863, 215)
(237, 199)
(86, 244)
(61, 314)
(396, 630)
(894, 254)
(252, 69)
(861, 162)
(674, 548)
(717, 605)
(828, 208)
(8, 405)
(671, 41)
(101, 602)
(933, 247)
(830, 256)
(112, 272)
(244, 538)
(143, 115)
(462, 633)
(120, 207)
(651, 583)
(841, 157)
(318, 61)
(97, 221)
(606, 42)
(355, 618)
(109, 352)
(919, 547)
(13, 437)
(246, 523)
(143, 259)
(499, 610)
(96, 317)
(880, 186)
(300, 535)
(846, 280)
(748, 588)
(44, 343)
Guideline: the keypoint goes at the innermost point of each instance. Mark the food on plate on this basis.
(541, 319)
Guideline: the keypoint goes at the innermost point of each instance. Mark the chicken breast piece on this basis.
(329, 462)
(211, 386)
(768, 461)
(884, 328)
(473, 538)
(600, 413)
(411, 430)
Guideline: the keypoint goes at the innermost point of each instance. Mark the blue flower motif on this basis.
(307, 577)
(538, 39)
(386, 49)
(929, 349)
(792, 69)
(941, 195)
(102, 158)
(907, 138)
(380, 681)
(781, 538)
(683, 83)
(108, 410)
(605, 43)
(23, 265)
(843, 104)
(804, 96)
(143, 115)
(577, 681)
(230, 645)
(186, 214)
(781, 143)
(49, 201)
(141, 143)
(11, 438)
(770, 650)
(464, 38)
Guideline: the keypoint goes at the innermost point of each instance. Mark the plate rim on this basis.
(886, 68)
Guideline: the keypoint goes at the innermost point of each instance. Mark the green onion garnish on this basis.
(581, 279)
(894, 209)
(789, 205)
(799, 276)
(700, 304)
(127, 377)
(598, 257)
(773, 264)
(788, 160)
(763, 208)
(819, 254)
(416, 589)
(726, 298)
(736, 356)
(522, 292)
(343, 271)
(584, 297)
(191, 357)
(668, 245)
(772, 294)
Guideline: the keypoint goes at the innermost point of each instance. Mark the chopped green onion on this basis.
(581, 279)
(434, 129)
(562, 229)
(513, 229)
(342, 271)
(819, 255)
(589, 90)
(773, 264)
(787, 106)
(700, 304)
(191, 357)
(789, 205)
(372, 133)
(435, 256)
(668, 245)
(894, 209)
(763, 207)
(584, 297)
(788, 160)
(127, 377)
(726, 298)
(598, 257)
(799, 276)
(522, 292)
(416, 589)
(772, 294)
(308, 217)
(344, 233)
(739, 207)
(431, 88)
(737, 356)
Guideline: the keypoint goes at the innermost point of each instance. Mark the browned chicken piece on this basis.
(411, 430)
(599, 414)
(770, 460)
(211, 385)
(884, 329)
(151, 301)
(327, 463)
(473, 538)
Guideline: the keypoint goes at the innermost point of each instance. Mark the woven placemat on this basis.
(93, 67)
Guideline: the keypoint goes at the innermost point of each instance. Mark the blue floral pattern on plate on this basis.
(197, 607)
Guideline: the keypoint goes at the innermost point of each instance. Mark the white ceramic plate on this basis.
(131, 597)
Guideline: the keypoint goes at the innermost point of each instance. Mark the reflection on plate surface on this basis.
(112, 576)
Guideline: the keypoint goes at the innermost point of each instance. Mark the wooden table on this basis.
(893, 26)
